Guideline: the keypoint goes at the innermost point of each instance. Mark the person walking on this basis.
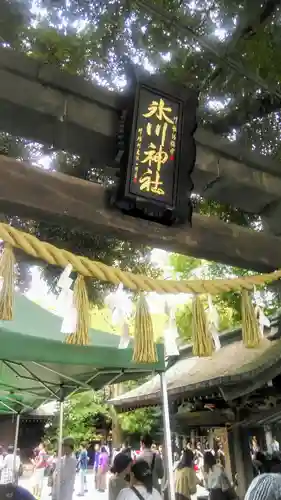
(67, 474)
(51, 467)
(19, 467)
(102, 470)
(153, 459)
(185, 477)
(96, 463)
(217, 481)
(2, 456)
(83, 467)
(40, 463)
(8, 471)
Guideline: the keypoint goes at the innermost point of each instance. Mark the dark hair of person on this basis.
(186, 459)
(120, 463)
(147, 440)
(83, 444)
(209, 460)
(10, 449)
(103, 449)
(143, 474)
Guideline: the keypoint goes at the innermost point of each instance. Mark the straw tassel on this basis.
(202, 339)
(81, 304)
(144, 346)
(7, 273)
(250, 328)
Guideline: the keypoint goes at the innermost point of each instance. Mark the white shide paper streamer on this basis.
(171, 333)
(65, 303)
(121, 309)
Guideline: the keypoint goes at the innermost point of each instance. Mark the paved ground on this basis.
(92, 493)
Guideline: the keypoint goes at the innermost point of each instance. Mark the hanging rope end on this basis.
(81, 303)
(202, 339)
(7, 272)
(251, 334)
(144, 345)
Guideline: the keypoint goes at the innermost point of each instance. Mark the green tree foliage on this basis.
(140, 421)
(228, 304)
(92, 38)
(84, 415)
(87, 414)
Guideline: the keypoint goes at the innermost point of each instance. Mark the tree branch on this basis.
(246, 109)
(243, 111)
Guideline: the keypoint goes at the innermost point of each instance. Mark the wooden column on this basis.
(211, 439)
(117, 434)
(242, 459)
(230, 440)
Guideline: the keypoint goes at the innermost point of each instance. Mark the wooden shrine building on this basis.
(237, 388)
(31, 432)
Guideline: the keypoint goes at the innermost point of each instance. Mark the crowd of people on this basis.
(72, 464)
(140, 474)
(134, 473)
(266, 460)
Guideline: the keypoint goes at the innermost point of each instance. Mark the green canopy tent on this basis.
(36, 365)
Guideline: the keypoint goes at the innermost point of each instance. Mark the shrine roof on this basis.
(234, 370)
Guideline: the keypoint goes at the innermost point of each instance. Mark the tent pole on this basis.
(16, 447)
(169, 473)
(58, 478)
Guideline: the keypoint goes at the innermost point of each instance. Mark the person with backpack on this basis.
(83, 468)
(153, 459)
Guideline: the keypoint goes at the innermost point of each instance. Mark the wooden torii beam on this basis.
(32, 192)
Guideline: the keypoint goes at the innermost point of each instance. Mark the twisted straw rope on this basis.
(86, 267)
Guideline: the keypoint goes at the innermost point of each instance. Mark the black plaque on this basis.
(156, 152)
(152, 172)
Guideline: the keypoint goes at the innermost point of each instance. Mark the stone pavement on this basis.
(92, 494)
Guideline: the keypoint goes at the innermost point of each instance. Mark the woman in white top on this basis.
(217, 481)
(140, 484)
